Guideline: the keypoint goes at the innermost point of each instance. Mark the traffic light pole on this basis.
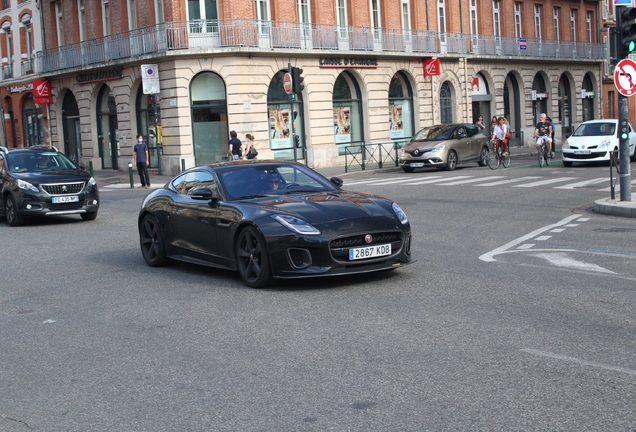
(623, 150)
(291, 115)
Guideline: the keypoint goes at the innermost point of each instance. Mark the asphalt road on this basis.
(518, 314)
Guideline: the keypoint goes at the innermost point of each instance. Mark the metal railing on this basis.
(231, 33)
(373, 153)
(27, 67)
(7, 71)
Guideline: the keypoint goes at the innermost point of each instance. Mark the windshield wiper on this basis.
(252, 196)
(302, 191)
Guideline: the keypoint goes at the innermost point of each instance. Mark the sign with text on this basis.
(150, 78)
(358, 63)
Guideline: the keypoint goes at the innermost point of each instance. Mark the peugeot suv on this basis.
(41, 181)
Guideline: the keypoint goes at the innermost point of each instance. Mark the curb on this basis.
(614, 207)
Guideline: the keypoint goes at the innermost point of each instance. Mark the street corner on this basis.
(613, 207)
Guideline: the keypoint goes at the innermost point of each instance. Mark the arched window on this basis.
(281, 114)
(33, 123)
(148, 116)
(210, 132)
(445, 104)
(401, 120)
(539, 98)
(347, 112)
(71, 128)
(107, 129)
(588, 98)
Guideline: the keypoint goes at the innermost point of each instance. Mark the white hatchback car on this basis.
(593, 141)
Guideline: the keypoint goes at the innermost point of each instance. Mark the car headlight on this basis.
(399, 213)
(605, 143)
(296, 225)
(438, 148)
(566, 145)
(28, 186)
(92, 181)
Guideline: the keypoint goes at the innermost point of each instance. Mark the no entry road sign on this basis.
(625, 77)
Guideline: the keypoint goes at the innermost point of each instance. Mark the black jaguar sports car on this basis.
(271, 220)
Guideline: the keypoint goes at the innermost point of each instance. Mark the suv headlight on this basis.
(92, 181)
(399, 213)
(27, 186)
(296, 225)
(605, 143)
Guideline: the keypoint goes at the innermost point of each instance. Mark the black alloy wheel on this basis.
(252, 259)
(153, 247)
(451, 161)
(11, 212)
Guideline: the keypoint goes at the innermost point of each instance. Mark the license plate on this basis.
(417, 164)
(369, 252)
(582, 152)
(65, 199)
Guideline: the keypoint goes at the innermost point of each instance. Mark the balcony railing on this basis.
(7, 72)
(212, 34)
(27, 66)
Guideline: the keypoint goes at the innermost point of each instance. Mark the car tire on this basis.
(151, 241)
(408, 169)
(567, 164)
(89, 216)
(451, 160)
(483, 157)
(11, 212)
(252, 259)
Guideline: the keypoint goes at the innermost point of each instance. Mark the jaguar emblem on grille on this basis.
(368, 238)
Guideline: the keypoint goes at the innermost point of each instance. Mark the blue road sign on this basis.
(623, 2)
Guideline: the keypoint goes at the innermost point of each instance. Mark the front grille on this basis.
(419, 152)
(586, 156)
(63, 188)
(339, 247)
(66, 206)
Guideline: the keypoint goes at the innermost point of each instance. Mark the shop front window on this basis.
(400, 108)
(33, 123)
(347, 112)
(282, 115)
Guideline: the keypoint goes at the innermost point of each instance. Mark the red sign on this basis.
(287, 83)
(42, 91)
(625, 77)
(431, 67)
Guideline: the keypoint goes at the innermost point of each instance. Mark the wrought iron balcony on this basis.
(202, 35)
(7, 71)
(27, 66)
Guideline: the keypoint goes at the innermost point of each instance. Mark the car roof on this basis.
(600, 121)
(252, 162)
(36, 148)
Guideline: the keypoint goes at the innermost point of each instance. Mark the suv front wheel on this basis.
(11, 212)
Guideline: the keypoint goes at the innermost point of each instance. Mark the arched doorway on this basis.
(149, 121)
(210, 134)
(588, 98)
(539, 98)
(401, 119)
(481, 99)
(107, 128)
(71, 128)
(512, 108)
(33, 122)
(11, 138)
(281, 115)
(445, 103)
(348, 127)
(565, 106)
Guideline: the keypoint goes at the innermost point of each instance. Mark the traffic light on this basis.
(627, 32)
(297, 80)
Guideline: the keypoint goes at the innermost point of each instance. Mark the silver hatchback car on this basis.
(445, 146)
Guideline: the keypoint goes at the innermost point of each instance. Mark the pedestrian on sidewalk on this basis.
(141, 159)
(250, 151)
(235, 146)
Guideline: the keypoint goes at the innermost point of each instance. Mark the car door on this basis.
(193, 221)
(477, 139)
(463, 145)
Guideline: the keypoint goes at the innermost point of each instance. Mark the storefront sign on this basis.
(342, 124)
(396, 126)
(359, 63)
(539, 96)
(587, 94)
(279, 124)
(42, 91)
(22, 88)
(432, 67)
(103, 75)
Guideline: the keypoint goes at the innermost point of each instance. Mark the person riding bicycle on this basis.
(543, 132)
(499, 133)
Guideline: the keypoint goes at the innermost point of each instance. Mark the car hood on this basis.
(66, 176)
(317, 208)
(422, 145)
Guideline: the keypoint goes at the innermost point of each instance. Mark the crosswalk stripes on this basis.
(563, 183)
(617, 188)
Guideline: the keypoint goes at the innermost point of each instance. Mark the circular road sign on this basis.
(625, 77)
(287, 83)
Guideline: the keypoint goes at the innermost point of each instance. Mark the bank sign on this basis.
(42, 91)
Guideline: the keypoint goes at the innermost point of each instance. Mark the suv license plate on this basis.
(417, 164)
(369, 252)
(65, 199)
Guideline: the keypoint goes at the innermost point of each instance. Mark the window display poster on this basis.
(396, 126)
(342, 124)
(280, 135)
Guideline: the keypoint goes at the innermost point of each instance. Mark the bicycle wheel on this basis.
(506, 160)
(548, 158)
(540, 154)
(493, 160)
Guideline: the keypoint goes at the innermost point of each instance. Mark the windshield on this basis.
(37, 161)
(434, 133)
(265, 179)
(595, 129)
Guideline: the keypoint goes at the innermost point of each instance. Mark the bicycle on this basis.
(497, 157)
(543, 153)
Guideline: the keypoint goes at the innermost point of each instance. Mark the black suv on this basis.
(41, 181)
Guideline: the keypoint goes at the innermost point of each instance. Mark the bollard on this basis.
(182, 165)
(90, 168)
(130, 173)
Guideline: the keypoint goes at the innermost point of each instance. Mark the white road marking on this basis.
(583, 220)
(558, 230)
(437, 180)
(571, 225)
(542, 238)
(506, 182)
(583, 183)
(563, 260)
(579, 361)
(346, 183)
(489, 256)
(458, 182)
(546, 182)
(526, 246)
(617, 188)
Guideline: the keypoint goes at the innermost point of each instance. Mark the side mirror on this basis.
(337, 181)
(202, 194)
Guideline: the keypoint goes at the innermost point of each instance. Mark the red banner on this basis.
(42, 91)
(431, 67)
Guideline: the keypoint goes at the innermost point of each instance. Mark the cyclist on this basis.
(499, 133)
(543, 130)
(549, 120)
